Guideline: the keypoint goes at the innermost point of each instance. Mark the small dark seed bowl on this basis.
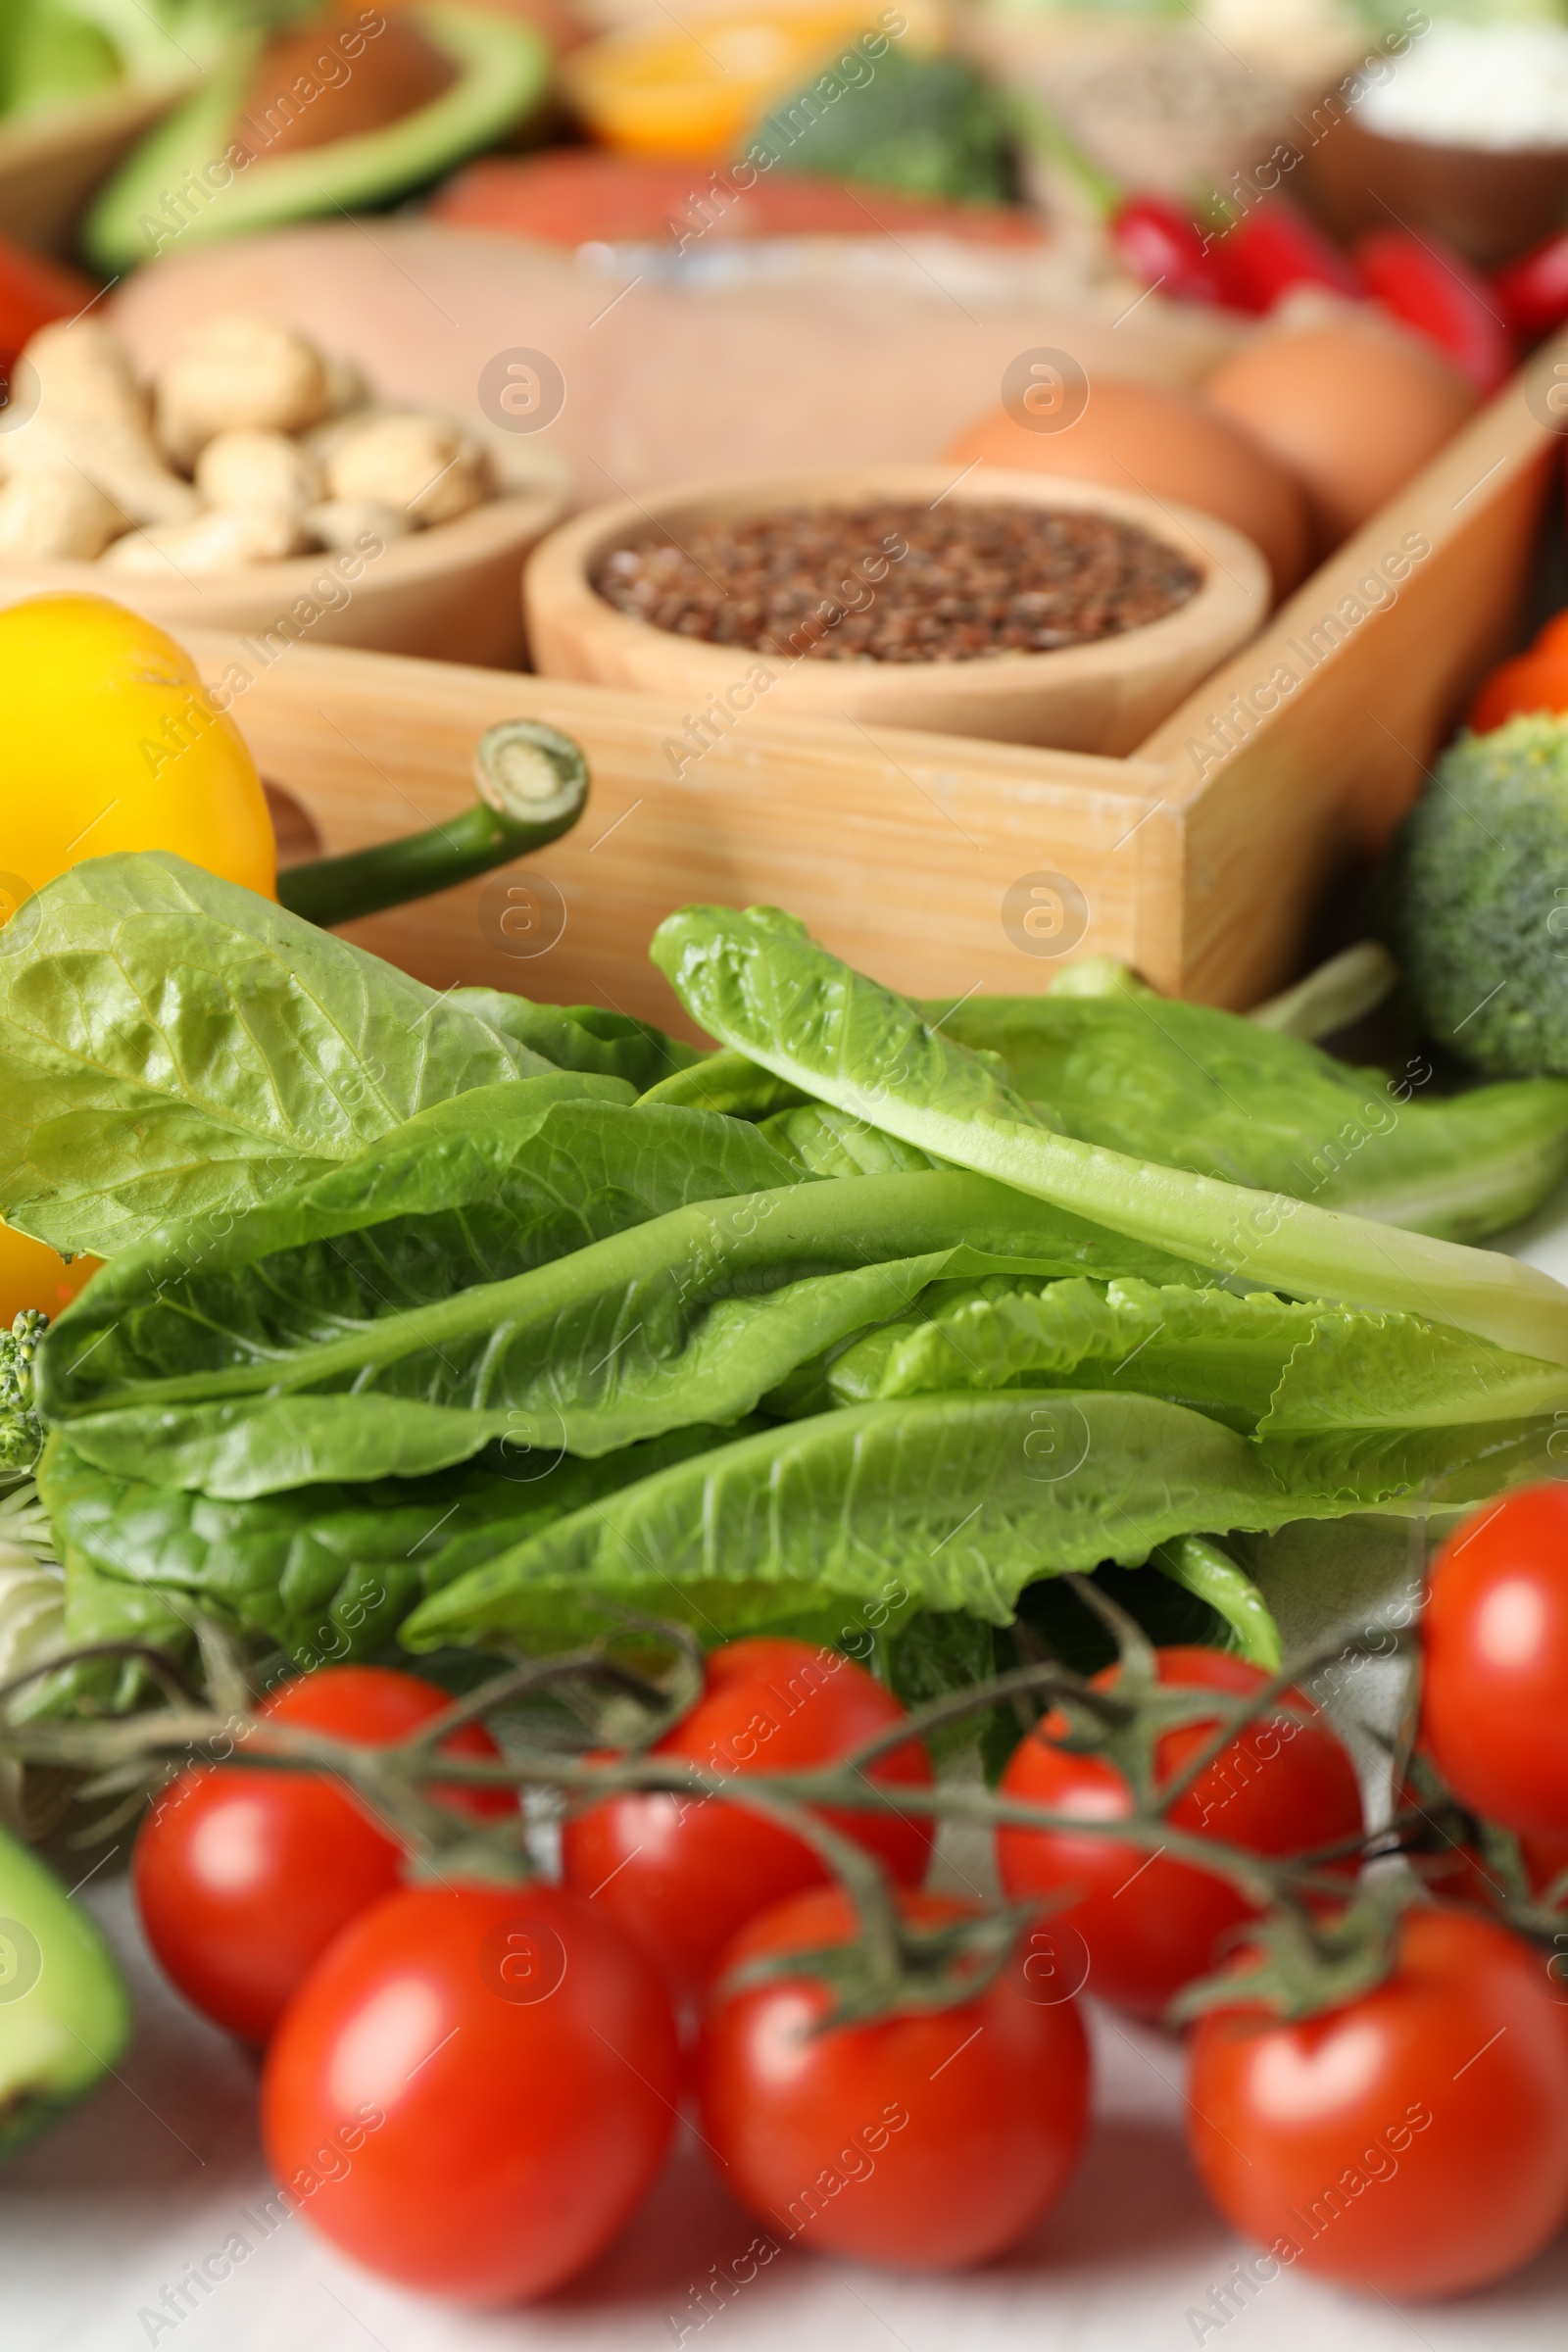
(1023, 608)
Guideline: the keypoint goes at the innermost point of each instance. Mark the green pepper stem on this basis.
(532, 786)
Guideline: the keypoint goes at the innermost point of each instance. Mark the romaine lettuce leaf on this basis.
(757, 981)
(1194, 1088)
(1281, 1366)
(171, 1043)
(940, 1503)
(529, 1262)
(327, 1572)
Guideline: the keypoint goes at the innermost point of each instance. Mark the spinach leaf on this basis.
(171, 1043)
(757, 981)
(940, 1503)
(1200, 1089)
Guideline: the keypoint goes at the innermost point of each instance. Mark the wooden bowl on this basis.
(1104, 697)
(448, 593)
(1488, 203)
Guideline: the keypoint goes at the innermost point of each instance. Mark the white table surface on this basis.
(157, 2169)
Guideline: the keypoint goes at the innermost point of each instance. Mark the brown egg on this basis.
(1168, 445)
(1355, 410)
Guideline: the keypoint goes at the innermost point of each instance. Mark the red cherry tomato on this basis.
(681, 1874)
(474, 2089)
(244, 1877)
(1414, 2142)
(930, 2140)
(1152, 1925)
(1495, 1680)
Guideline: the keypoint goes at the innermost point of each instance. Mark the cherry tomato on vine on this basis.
(683, 1874)
(1495, 1677)
(244, 1876)
(1152, 1925)
(1414, 2140)
(930, 2140)
(474, 2090)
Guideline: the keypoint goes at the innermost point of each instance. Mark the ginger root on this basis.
(83, 370)
(54, 514)
(341, 521)
(89, 415)
(84, 475)
(248, 467)
(426, 467)
(234, 370)
(227, 539)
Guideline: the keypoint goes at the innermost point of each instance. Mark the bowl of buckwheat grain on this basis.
(1017, 607)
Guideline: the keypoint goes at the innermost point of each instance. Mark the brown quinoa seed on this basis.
(902, 583)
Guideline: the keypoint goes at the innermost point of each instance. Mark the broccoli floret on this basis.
(20, 1432)
(1475, 898)
(928, 127)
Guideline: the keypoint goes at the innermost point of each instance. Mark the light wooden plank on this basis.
(897, 848)
(1309, 793)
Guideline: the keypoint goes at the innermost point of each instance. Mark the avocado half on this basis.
(65, 2018)
(164, 196)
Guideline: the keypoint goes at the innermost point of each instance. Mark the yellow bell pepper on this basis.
(664, 91)
(31, 1274)
(107, 742)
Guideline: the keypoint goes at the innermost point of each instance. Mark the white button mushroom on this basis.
(236, 370)
(426, 467)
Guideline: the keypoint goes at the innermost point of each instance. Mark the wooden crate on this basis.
(1202, 859)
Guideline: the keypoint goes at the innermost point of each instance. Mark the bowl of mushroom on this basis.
(257, 485)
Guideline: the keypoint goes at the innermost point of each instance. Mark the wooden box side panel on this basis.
(1297, 760)
(899, 850)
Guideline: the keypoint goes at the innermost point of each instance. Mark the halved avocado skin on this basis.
(160, 199)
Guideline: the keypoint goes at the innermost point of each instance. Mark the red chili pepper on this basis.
(1433, 290)
(1268, 251)
(1165, 247)
(1531, 292)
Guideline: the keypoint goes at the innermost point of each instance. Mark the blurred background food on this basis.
(1284, 246)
